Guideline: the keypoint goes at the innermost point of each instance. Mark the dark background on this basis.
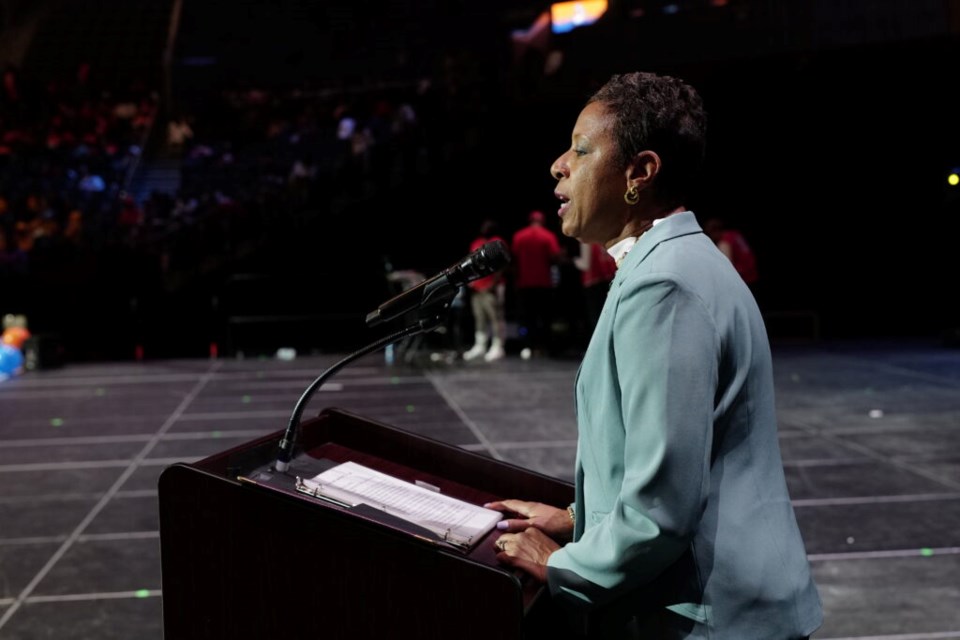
(832, 130)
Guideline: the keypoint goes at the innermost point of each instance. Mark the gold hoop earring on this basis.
(632, 196)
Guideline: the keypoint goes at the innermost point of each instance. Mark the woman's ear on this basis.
(644, 168)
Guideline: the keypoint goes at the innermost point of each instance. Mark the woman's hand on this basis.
(530, 539)
(527, 550)
(554, 522)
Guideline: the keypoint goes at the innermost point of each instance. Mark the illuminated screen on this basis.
(565, 16)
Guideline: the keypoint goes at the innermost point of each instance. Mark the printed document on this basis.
(455, 521)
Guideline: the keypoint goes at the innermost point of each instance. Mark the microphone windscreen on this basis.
(494, 256)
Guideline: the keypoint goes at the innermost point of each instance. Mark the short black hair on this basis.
(663, 114)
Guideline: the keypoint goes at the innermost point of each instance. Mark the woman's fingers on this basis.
(520, 507)
(513, 525)
(527, 550)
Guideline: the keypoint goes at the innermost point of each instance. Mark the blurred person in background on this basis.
(733, 245)
(487, 305)
(597, 269)
(536, 252)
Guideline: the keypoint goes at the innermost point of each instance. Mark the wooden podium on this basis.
(244, 555)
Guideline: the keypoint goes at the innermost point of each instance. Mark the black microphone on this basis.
(443, 287)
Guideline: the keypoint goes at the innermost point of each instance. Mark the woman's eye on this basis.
(580, 152)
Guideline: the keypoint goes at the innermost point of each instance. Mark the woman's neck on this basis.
(636, 227)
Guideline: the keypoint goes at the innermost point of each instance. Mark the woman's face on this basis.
(590, 184)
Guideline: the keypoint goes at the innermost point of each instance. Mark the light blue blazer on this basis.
(682, 512)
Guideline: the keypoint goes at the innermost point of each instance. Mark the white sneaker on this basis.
(475, 351)
(526, 353)
(494, 353)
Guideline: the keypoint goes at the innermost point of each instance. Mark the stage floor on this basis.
(870, 435)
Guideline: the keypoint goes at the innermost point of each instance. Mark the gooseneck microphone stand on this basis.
(431, 299)
(285, 454)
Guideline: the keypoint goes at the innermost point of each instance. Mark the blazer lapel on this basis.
(679, 224)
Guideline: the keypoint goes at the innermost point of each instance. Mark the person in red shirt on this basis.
(597, 269)
(535, 252)
(733, 245)
(487, 305)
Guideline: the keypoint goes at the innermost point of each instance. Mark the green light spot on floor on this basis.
(410, 408)
(245, 400)
(100, 392)
(259, 374)
(142, 593)
(926, 551)
(217, 434)
(56, 422)
(395, 380)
